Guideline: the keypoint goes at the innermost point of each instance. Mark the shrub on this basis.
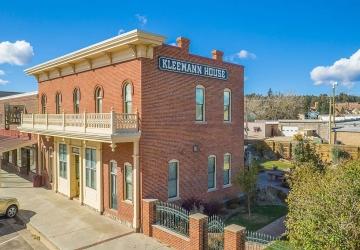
(191, 204)
(212, 208)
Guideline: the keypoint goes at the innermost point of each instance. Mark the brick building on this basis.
(18, 150)
(132, 117)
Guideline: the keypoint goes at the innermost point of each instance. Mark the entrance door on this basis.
(25, 159)
(113, 186)
(77, 173)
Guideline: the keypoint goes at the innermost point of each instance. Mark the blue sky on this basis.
(281, 41)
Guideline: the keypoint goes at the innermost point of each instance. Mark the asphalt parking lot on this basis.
(14, 235)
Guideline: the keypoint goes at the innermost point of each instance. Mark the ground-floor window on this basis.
(62, 161)
(113, 184)
(128, 182)
(227, 168)
(173, 178)
(90, 167)
(211, 171)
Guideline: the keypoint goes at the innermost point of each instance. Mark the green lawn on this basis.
(260, 217)
(280, 245)
(281, 165)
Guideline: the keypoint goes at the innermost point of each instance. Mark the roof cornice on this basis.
(133, 37)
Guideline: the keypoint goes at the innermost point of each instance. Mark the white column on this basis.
(81, 168)
(101, 180)
(55, 166)
(40, 163)
(136, 179)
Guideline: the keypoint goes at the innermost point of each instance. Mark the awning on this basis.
(8, 143)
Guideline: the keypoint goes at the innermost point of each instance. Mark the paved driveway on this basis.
(65, 224)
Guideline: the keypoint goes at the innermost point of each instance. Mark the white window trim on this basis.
(96, 167)
(203, 121)
(230, 183)
(58, 160)
(214, 188)
(177, 197)
(230, 105)
(115, 163)
(132, 176)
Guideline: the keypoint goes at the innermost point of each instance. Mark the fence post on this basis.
(198, 231)
(112, 121)
(234, 237)
(148, 215)
(63, 120)
(84, 121)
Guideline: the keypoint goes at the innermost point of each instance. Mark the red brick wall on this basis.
(111, 78)
(169, 130)
(122, 154)
(169, 238)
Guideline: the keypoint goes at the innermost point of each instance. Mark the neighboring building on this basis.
(261, 129)
(308, 127)
(347, 136)
(18, 150)
(131, 118)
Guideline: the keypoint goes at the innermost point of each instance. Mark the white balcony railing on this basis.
(102, 123)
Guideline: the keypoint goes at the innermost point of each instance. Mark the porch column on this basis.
(136, 178)
(39, 158)
(55, 166)
(81, 168)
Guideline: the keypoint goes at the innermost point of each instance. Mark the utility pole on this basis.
(330, 120)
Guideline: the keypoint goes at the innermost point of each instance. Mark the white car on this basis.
(9, 206)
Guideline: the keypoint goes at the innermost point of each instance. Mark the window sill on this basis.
(174, 199)
(227, 185)
(227, 122)
(212, 190)
(128, 202)
(200, 122)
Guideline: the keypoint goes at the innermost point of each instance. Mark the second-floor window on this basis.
(43, 104)
(58, 102)
(227, 105)
(128, 98)
(200, 103)
(99, 95)
(76, 100)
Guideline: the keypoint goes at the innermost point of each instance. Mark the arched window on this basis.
(211, 172)
(76, 100)
(128, 182)
(227, 169)
(200, 103)
(227, 105)
(99, 95)
(128, 98)
(58, 102)
(43, 104)
(173, 179)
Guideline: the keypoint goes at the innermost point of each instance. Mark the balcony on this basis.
(105, 127)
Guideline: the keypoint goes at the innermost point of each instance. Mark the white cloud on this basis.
(121, 31)
(345, 70)
(18, 53)
(244, 54)
(2, 72)
(173, 44)
(3, 82)
(142, 19)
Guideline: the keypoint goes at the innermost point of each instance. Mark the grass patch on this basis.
(280, 245)
(281, 165)
(260, 216)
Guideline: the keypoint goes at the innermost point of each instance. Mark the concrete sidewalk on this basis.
(275, 228)
(65, 224)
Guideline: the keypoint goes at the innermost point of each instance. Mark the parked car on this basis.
(9, 206)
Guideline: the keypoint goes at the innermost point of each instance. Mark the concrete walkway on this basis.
(275, 228)
(65, 224)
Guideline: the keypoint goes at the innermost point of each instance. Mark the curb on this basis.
(48, 243)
